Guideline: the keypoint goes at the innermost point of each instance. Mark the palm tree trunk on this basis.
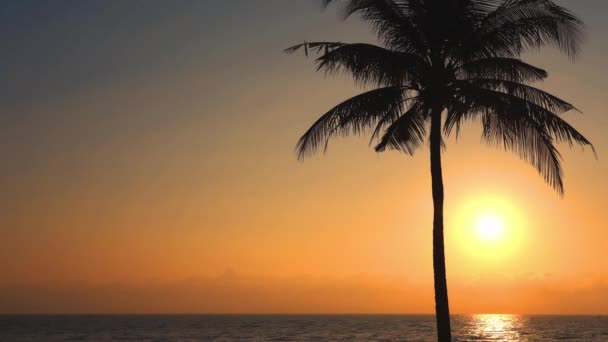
(442, 309)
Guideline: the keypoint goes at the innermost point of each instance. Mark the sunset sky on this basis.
(148, 166)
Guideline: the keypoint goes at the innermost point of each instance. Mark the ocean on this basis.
(182, 328)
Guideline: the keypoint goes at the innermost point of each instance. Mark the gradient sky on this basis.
(148, 166)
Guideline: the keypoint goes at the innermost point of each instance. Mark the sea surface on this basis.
(299, 328)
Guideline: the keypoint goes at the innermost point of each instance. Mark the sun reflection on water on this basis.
(497, 327)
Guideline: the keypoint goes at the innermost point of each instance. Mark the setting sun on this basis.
(490, 227)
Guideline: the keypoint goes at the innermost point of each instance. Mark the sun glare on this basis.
(490, 227)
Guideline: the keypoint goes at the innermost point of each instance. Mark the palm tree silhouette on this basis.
(446, 62)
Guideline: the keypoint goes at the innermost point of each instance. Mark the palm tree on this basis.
(441, 63)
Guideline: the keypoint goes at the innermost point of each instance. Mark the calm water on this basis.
(299, 328)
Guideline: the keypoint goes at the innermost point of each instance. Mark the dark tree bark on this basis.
(442, 309)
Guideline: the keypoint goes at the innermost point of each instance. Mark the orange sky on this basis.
(174, 187)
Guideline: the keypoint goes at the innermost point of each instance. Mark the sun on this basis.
(490, 227)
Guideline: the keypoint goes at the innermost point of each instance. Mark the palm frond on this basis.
(390, 19)
(509, 69)
(519, 25)
(371, 9)
(514, 128)
(352, 116)
(524, 92)
(316, 47)
(407, 133)
(510, 106)
(369, 63)
(478, 7)
(516, 114)
(529, 141)
(387, 120)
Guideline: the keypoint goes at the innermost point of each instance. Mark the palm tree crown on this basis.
(461, 58)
